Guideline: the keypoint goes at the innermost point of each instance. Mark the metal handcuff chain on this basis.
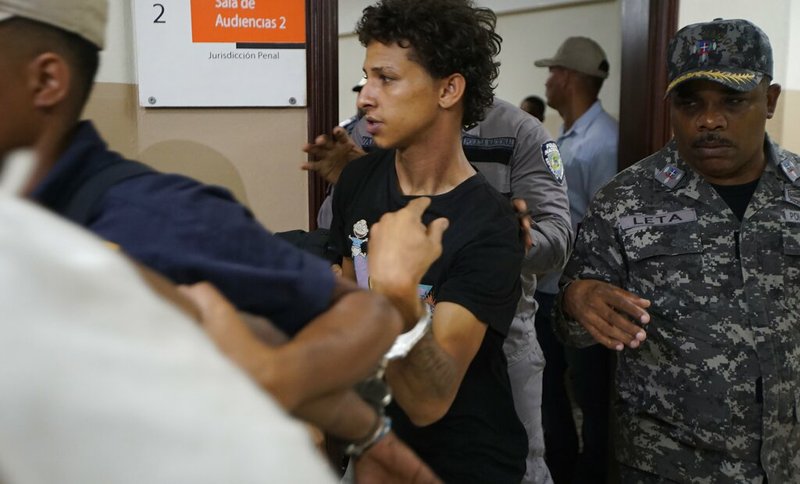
(377, 393)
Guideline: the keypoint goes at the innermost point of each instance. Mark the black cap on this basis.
(734, 53)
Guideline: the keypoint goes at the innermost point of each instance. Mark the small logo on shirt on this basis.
(552, 158)
(358, 252)
(790, 169)
(667, 218)
(791, 196)
(669, 176)
(425, 293)
(792, 216)
(359, 237)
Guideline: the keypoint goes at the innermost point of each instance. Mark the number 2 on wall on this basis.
(161, 14)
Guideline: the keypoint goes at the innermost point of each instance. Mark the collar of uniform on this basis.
(670, 172)
(782, 161)
(778, 159)
(583, 122)
(472, 131)
(690, 183)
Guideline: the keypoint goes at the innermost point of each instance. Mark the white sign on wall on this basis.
(218, 53)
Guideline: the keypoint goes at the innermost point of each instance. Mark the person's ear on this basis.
(773, 92)
(50, 78)
(452, 90)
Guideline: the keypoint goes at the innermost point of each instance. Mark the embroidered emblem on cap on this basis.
(734, 53)
(552, 158)
(669, 176)
(702, 48)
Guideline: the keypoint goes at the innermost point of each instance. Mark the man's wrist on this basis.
(562, 299)
(408, 340)
(382, 428)
(404, 298)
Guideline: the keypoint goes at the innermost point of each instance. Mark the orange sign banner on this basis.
(250, 21)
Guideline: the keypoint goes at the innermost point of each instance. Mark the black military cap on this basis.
(734, 53)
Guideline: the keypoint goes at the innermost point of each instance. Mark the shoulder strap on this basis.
(79, 207)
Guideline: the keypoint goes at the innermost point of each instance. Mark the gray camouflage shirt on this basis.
(714, 391)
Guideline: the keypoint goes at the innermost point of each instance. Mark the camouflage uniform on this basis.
(713, 394)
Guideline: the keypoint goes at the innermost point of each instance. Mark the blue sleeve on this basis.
(603, 168)
(191, 232)
(590, 172)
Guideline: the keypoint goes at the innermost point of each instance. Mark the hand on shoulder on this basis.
(333, 153)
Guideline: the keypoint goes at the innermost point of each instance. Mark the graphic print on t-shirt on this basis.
(425, 292)
(358, 251)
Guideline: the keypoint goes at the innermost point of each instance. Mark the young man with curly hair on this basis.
(430, 70)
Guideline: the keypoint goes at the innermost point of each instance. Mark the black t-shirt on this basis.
(737, 196)
(480, 439)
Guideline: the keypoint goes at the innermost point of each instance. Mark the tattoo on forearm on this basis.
(427, 361)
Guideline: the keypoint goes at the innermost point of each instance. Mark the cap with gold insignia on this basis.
(86, 18)
(734, 53)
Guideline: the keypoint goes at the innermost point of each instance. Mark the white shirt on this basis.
(101, 381)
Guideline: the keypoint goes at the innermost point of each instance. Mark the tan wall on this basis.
(788, 115)
(775, 126)
(253, 152)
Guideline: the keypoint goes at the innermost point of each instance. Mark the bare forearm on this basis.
(425, 382)
(264, 330)
(342, 414)
(358, 330)
(405, 300)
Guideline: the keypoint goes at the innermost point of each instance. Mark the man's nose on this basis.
(365, 97)
(712, 118)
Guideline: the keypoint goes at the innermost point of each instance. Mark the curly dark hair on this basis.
(447, 36)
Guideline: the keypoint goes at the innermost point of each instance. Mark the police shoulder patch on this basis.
(791, 169)
(552, 158)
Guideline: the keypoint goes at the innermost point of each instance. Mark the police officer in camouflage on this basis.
(688, 264)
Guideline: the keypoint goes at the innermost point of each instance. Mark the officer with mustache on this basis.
(688, 265)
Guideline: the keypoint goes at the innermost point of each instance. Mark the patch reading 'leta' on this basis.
(666, 218)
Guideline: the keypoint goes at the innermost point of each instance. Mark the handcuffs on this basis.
(376, 392)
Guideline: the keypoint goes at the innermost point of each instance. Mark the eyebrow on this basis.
(378, 69)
